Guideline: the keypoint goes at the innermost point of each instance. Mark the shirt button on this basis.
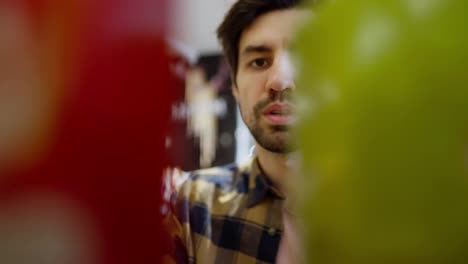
(271, 231)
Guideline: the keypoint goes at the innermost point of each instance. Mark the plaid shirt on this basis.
(228, 214)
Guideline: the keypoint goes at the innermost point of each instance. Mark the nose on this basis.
(281, 76)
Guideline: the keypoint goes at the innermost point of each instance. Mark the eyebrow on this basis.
(256, 49)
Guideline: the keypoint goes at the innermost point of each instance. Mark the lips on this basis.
(279, 114)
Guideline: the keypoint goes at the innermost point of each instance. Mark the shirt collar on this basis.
(260, 186)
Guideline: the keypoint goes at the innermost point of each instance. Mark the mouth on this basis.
(280, 114)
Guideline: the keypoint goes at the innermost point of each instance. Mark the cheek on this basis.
(251, 88)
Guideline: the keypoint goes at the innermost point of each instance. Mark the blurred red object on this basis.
(99, 173)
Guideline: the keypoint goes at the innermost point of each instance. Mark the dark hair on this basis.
(241, 15)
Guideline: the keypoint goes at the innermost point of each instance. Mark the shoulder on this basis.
(206, 184)
(220, 177)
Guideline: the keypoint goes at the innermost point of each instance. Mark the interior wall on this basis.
(194, 23)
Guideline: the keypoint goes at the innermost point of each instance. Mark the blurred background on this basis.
(206, 127)
(96, 99)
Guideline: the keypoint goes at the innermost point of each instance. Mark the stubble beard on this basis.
(274, 138)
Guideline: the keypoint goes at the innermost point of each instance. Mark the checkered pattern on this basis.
(226, 215)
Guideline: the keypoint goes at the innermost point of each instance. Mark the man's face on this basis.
(265, 78)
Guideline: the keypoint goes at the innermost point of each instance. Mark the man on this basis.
(239, 214)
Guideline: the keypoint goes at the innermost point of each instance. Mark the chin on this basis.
(278, 144)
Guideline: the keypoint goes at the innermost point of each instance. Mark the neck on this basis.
(278, 167)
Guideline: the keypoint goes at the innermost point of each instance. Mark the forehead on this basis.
(275, 28)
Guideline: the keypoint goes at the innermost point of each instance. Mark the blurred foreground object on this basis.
(384, 132)
(84, 104)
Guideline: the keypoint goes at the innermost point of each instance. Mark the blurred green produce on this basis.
(384, 132)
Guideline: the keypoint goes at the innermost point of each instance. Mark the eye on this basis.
(260, 63)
